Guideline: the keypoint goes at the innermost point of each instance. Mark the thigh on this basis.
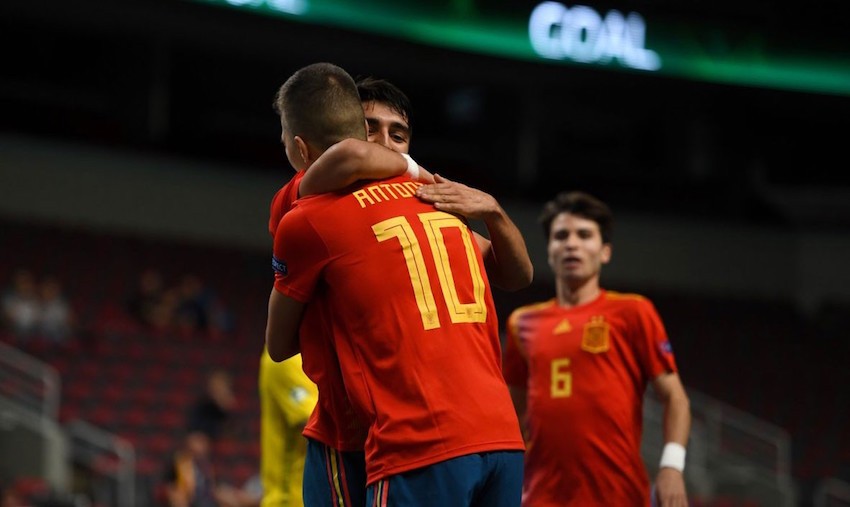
(333, 478)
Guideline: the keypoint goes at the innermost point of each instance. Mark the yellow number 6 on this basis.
(562, 380)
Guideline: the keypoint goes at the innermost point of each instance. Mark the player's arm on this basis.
(282, 326)
(351, 160)
(670, 482)
(505, 254)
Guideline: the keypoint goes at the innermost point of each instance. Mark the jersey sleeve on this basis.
(299, 256)
(653, 344)
(283, 200)
(514, 362)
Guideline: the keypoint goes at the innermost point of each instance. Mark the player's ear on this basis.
(606, 253)
(303, 150)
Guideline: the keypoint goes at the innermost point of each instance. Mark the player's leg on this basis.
(333, 478)
(503, 484)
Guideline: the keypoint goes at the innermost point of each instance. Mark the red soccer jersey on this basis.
(585, 370)
(409, 304)
(333, 421)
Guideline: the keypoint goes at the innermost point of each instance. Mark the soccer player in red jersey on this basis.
(410, 311)
(335, 463)
(333, 458)
(578, 366)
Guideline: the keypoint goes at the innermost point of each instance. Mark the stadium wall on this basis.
(142, 194)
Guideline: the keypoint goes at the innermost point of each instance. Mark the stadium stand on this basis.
(762, 357)
(133, 382)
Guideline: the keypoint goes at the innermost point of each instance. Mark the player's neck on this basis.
(570, 295)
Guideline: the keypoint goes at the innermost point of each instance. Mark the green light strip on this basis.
(679, 46)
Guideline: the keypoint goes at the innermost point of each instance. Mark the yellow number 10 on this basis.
(434, 223)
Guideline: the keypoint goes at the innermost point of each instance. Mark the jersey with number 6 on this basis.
(409, 305)
(585, 370)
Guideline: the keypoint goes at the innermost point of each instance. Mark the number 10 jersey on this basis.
(408, 303)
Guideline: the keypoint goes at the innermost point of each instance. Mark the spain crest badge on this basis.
(596, 337)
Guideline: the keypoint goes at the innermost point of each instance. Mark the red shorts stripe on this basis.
(332, 471)
(382, 489)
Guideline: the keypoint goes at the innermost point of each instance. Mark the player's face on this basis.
(387, 127)
(576, 250)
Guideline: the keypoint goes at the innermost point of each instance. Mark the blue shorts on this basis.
(333, 478)
(489, 479)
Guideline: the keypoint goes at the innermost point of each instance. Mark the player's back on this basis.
(414, 323)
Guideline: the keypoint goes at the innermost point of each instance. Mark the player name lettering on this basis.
(383, 192)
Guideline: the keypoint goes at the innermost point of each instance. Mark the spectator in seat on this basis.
(20, 304)
(55, 317)
(211, 411)
(145, 304)
(189, 479)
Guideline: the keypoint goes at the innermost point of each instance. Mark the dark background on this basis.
(196, 81)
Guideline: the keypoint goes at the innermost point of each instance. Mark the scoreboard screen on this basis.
(626, 39)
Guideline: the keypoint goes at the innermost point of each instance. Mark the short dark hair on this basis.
(320, 103)
(380, 90)
(583, 205)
